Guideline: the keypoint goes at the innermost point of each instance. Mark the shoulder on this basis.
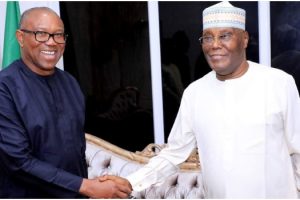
(273, 78)
(199, 87)
(202, 83)
(69, 82)
(11, 69)
(65, 76)
(269, 72)
(11, 74)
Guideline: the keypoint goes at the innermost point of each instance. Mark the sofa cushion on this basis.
(105, 158)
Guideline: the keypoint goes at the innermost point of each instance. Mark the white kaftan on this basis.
(247, 131)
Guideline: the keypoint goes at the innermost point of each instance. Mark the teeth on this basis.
(48, 52)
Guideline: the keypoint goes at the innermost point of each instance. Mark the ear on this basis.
(246, 39)
(20, 38)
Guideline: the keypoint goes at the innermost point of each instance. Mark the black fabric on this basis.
(42, 142)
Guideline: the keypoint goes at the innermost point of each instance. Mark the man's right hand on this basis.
(109, 188)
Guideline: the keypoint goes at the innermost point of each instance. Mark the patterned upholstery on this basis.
(103, 157)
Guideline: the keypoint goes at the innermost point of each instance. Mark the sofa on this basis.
(105, 158)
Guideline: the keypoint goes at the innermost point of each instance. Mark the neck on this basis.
(236, 74)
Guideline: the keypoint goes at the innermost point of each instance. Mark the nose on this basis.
(216, 42)
(51, 40)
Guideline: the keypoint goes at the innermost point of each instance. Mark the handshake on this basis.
(107, 186)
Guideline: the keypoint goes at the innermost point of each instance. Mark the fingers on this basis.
(112, 177)
(120, 187)
(102, 178)
(119, 180)
(118, 190)
(122, 195)
(94, 188)
(124, 188)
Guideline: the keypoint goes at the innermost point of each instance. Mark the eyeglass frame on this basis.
(223, 38)
(49, 35)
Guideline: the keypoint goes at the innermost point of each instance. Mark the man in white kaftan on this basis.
(246, 131)
(243, 117)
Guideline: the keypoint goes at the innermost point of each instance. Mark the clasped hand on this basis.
(107, 186)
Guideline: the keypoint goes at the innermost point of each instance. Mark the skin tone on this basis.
(41, 58)
(108, 186)
(227, 59)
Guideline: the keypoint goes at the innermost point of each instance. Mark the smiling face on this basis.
(226, 54)
(40, 57)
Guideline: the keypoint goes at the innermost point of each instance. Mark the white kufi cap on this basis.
(224, 15)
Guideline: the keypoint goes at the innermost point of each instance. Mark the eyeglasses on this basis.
(209, 40)
(42, 36)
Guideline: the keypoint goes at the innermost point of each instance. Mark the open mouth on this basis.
(48, 52)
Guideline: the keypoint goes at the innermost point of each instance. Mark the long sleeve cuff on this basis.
(154, 173)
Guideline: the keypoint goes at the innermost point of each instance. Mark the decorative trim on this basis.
(192, 163)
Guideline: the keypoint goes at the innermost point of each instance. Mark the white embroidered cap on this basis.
(223, 14)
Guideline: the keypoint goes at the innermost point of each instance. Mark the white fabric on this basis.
(245, 128)
(223, 14)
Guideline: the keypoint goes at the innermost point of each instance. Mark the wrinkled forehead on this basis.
(219, 30)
